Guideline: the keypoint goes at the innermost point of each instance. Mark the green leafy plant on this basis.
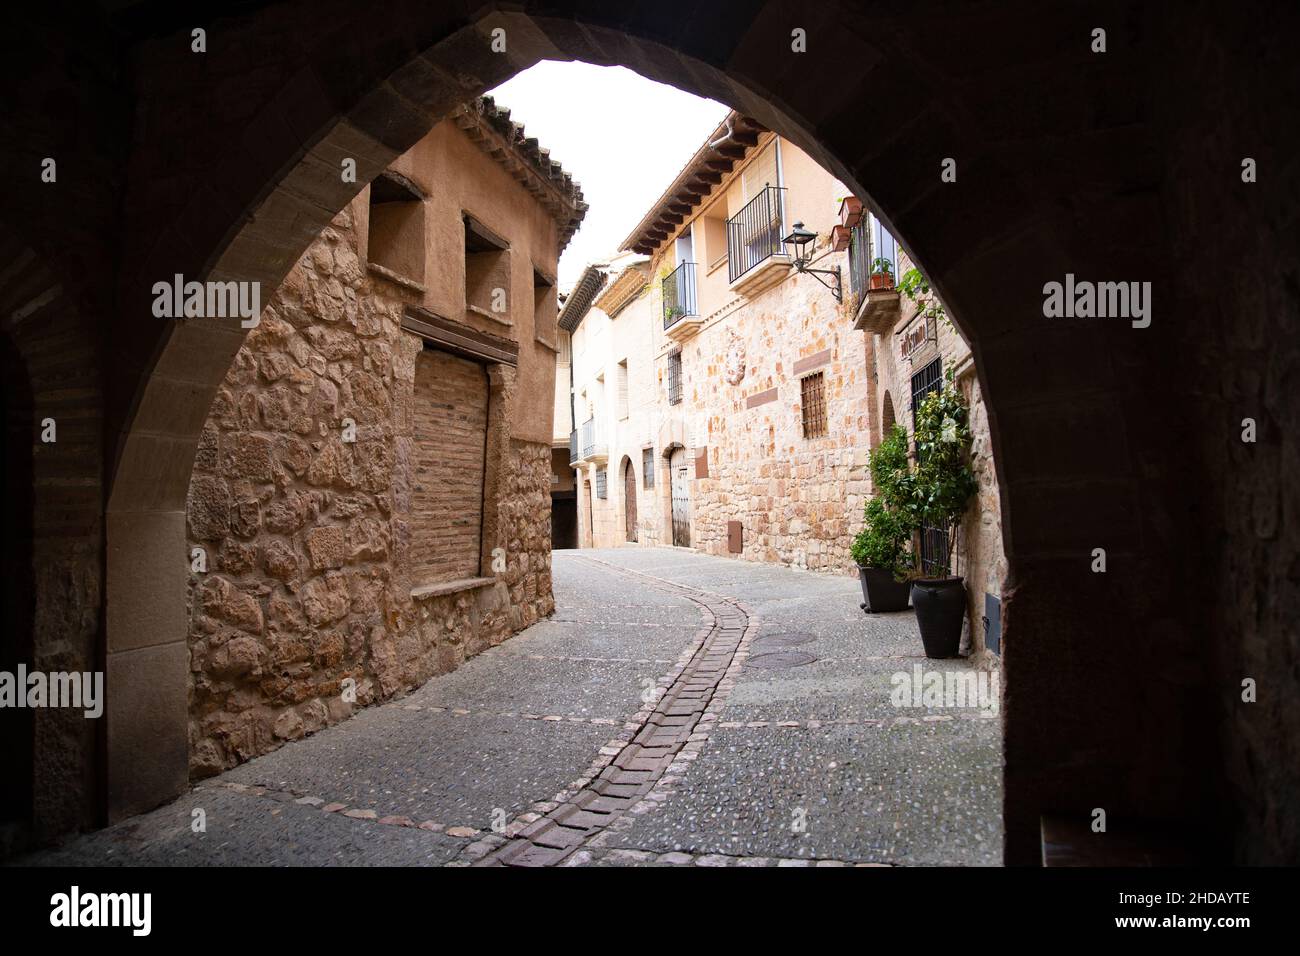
(882, 266)
(941, 482)
(883, 541)
(916, 287)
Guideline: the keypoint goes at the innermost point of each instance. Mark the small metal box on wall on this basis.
(992, 623)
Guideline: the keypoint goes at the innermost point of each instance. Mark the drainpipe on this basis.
(731, 131)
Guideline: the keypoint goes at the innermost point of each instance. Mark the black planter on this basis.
(880, 592)
(940, 609)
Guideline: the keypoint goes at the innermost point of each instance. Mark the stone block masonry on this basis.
(318, 596)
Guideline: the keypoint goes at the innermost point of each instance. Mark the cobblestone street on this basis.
(678, 709)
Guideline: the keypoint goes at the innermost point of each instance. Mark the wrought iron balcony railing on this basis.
(754, 233)
(679, 294)
(573, 447)
(860, 259)
(592, 443)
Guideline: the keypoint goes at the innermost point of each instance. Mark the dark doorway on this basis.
(564, 520)
(17, 734)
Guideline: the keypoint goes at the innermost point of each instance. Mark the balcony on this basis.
(681, 308)
(756, 260)
(874, 310)
(573, 447)
(593, 444)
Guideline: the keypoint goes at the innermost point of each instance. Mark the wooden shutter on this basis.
(451, 414)
(761, 172)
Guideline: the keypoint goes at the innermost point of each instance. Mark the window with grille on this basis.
(934, 541)
(648, 467)
(601, 489)
(814, 405)
(929, 379)
(674, 378)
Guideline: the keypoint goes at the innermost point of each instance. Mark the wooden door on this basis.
(629, 500)
(681, 498)
(591, 524)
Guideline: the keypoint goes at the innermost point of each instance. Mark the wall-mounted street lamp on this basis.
(797, 244)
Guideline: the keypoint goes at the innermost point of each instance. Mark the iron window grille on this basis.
(648, 467)
(679, 294)
(674, 378)
(754, 233)
(934, 541)
(573, 447)
(813, 395)
(602, 490)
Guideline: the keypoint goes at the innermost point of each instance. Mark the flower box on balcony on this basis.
(840, 238)
(850, 211)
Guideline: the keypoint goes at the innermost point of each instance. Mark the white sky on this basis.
(623, 138)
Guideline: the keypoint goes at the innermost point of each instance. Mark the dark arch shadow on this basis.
(1075, 451)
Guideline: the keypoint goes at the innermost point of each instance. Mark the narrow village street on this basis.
(775, 743)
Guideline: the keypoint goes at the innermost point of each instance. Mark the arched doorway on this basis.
(17, 591)
(1067, 401)
(680, 497)
(629, 500)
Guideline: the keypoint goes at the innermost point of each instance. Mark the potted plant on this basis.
(839, 238)
(880, 548)
(882, 274)
(850, 211)
(937, 489)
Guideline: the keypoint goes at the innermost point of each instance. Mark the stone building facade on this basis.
(370, 499)
(729, 400)
(910, 353)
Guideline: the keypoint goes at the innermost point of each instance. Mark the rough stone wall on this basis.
(306, 535)
(799, 500)
(980, 549)
(1241, 283)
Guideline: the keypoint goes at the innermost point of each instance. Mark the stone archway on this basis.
(1068, 163)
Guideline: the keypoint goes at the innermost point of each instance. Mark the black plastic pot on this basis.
(940, 608)
(880, 592)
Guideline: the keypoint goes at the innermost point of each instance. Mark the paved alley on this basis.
(678, 709)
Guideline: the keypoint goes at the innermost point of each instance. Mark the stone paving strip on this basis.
(637, 768)
(629, 857)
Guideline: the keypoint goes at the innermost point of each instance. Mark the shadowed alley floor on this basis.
(799, 755)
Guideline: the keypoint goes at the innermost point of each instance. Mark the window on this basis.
(621, 396)
(814, 405)
(929, 379)
(860, 257)
(884, 246)
(648, 467)
(674, 378)
(602, 490)
(487, 273)
(713, 226)
(545, 310)
(395, 237)
(934, 541)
